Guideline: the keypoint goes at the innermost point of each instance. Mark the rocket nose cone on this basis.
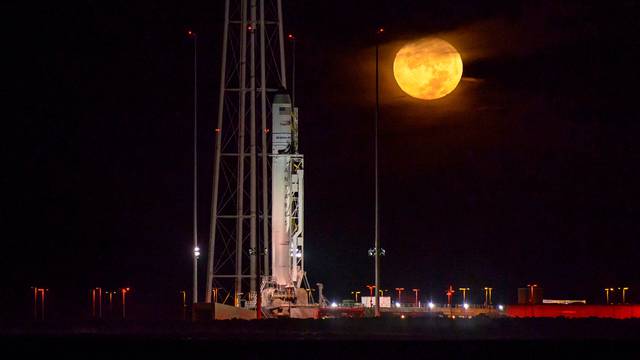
(282, 98)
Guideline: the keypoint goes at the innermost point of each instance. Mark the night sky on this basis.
(527, 172)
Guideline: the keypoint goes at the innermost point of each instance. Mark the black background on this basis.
(527, 172)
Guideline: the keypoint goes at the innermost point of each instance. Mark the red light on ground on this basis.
(291, 37)
(380, 30)
(450, 291)
(217, 130)
(266, 131)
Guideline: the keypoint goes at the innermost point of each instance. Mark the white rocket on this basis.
(287, 191)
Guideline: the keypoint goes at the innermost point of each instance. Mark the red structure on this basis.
(450, 294)
(574, 311)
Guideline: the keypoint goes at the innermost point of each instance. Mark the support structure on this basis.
(241, 258)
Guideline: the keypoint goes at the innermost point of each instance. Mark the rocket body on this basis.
(286, 192)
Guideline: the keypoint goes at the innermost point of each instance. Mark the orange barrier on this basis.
(574, 311)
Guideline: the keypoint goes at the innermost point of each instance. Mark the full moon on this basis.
(428, 69)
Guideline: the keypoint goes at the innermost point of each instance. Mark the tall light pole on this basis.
(399, 290)
(464, 294)
(532, 299)
(124, 302)
(42, 301)
(371, 287)
(624, 290)
(416, 291)
(356, 293)
(607, 290)
(196, 249)
(98, 291)
(184, 304)
(35, 303)
(450, 292)
(110, 293)
(100, 303)
(36, 291)
(377, 182)
(487, 299)
(613, 294)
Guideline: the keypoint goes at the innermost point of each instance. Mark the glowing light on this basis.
(428, 69)
(397, 304)
(196, 251)
(431, 305)
(401, 316)
(500, 307)
(333, 304)
(465, 306)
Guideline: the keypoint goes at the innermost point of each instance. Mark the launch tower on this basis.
(256, 244)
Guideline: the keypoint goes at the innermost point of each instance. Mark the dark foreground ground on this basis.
(327, 339)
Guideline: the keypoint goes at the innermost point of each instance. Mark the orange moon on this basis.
(428, 69)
